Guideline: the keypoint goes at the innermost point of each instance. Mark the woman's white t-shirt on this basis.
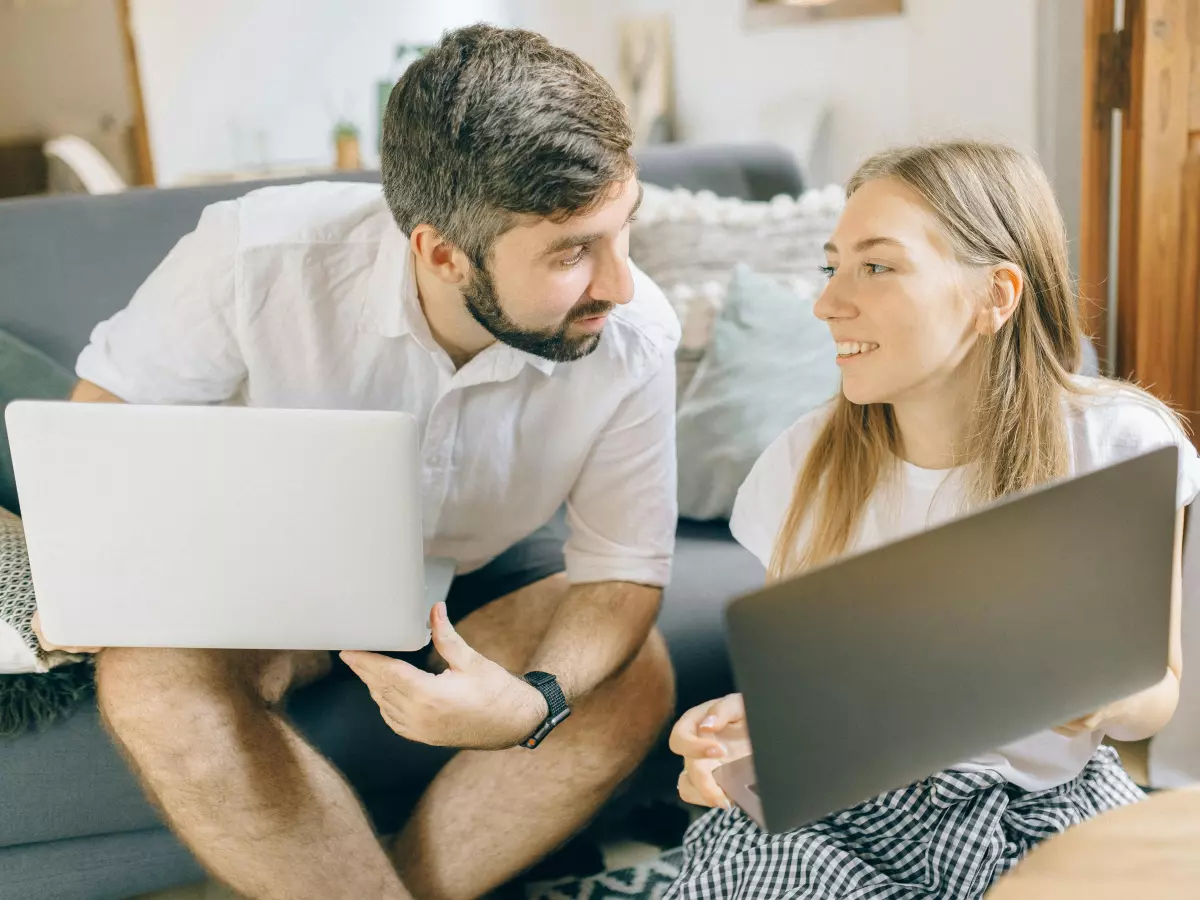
(1114, 425)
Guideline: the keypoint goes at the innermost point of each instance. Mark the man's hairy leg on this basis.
(259, 807)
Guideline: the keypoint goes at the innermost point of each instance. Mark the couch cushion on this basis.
(770, 362)
(69, 781)
(748, 171)
(710, 569)
(25, 374)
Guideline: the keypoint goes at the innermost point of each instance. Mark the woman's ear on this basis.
(1003, 294)
(439, 256)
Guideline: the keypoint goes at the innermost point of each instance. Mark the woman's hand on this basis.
(1132, 719)
(707, 737)
(1084, 724)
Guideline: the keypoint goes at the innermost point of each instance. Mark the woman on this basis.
(950, 300)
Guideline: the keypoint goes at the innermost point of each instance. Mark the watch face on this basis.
(538, 678)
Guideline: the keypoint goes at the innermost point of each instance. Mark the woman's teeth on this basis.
(853, 348)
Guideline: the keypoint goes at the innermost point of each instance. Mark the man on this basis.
(487, 291)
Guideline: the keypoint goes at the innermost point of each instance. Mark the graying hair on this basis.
(496, 123)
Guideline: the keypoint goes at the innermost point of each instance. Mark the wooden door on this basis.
(1149, 70)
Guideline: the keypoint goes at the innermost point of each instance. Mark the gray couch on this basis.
(73, 823)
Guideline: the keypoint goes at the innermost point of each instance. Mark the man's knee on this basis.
(652, 683)
(633, 708)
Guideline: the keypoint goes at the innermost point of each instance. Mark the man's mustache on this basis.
(589, 309)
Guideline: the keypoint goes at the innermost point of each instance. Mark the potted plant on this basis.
(345, 140)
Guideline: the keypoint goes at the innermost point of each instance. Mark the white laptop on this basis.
(224, 527)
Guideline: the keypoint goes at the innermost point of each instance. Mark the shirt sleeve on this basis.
(763, 500)
(622, 511)
(1139, 425)
(176, 341)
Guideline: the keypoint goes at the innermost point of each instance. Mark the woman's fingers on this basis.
(725, 712)
(686, 740)
(698, 787)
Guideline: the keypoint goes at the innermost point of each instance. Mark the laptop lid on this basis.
(873, 672)
(226, 527)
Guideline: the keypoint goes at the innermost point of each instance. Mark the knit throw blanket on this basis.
(35, 687)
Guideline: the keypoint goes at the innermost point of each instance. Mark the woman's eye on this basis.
(576, 259)
(827, 271)
(875, 268)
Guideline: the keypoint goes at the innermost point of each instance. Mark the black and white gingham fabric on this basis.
(949, 836)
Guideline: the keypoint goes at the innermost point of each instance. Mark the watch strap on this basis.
(558, 710)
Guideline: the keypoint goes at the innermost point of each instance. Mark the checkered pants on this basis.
(949, 836)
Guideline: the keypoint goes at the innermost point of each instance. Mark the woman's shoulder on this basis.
(1111, 421)
(765, 495)
(793, 446)
(1122, 414)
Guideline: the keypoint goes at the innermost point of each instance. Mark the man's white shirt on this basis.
(305, 297)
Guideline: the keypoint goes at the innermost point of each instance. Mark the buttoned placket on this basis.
(438, 441)
(495, 364)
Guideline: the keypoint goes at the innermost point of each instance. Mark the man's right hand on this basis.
(51, 647)
(707, 737)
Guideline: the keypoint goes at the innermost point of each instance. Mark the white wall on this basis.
(1062, 33)
(238, 83)
(232, 84)
(946, 67)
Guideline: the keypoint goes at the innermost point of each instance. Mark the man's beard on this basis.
(554, 344)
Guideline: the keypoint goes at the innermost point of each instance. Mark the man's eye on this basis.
(827, 271)
(576, 259)
(875, 268)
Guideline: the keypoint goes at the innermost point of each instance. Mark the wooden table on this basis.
(1147, 851)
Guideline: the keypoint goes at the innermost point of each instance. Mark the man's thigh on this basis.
(138, 683)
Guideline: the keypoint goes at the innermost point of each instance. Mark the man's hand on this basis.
(474, 705)
(50, 647)
(707, 737)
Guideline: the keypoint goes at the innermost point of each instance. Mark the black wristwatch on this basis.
(547, 685)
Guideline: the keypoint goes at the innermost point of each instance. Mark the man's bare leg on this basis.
(489, 816)
(261, 810)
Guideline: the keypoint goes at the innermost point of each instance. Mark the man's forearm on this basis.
(598, 630)
(86, 392)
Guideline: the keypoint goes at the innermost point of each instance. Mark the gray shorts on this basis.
(536, 557)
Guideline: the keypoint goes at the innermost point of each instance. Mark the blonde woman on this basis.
(950, 300)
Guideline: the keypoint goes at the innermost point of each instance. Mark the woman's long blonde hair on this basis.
(995, 206)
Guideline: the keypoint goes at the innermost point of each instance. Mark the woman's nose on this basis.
(833, 304)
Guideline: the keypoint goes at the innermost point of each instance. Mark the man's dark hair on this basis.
(493, 123)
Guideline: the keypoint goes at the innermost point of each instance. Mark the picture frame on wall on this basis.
(645, 79)
(766, 13)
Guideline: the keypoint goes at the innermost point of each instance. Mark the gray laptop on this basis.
(878, 670)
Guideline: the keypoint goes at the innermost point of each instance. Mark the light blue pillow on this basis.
(770, 362)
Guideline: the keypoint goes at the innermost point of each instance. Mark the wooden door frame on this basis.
(143, 158)
(1096, 197)
(1150, 71)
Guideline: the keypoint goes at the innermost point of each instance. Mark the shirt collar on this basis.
(393, 309)
(392, 299)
